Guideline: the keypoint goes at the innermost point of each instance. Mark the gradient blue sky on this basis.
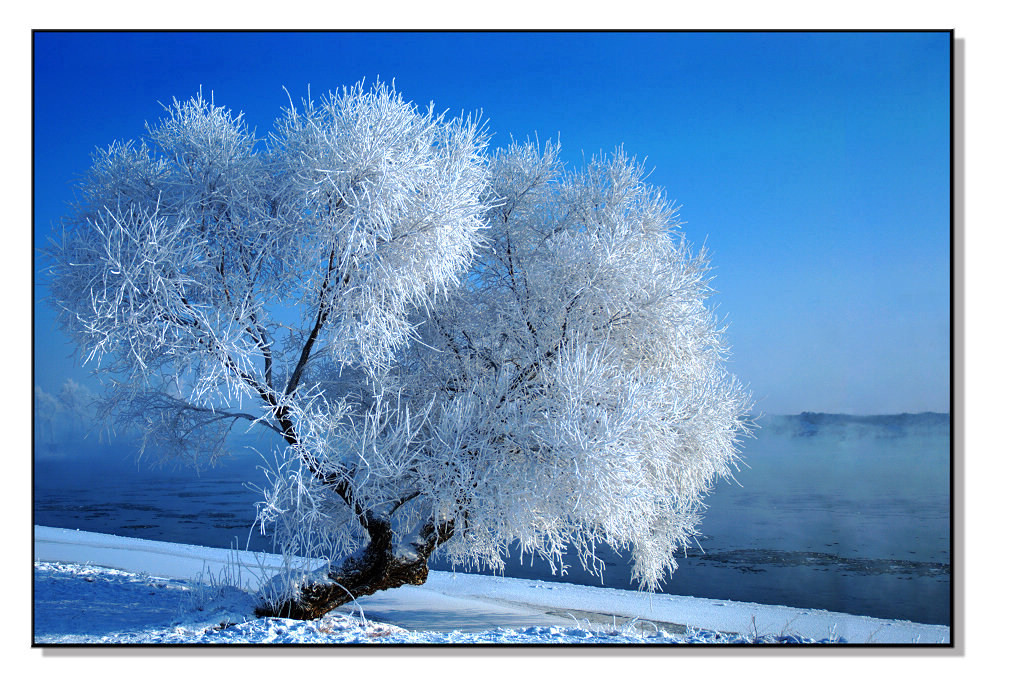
(815, 166)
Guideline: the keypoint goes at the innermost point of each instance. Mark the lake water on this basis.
(849, 514)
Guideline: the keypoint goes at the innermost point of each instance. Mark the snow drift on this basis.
(449, 608)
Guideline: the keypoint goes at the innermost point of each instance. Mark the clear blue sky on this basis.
(815, 166)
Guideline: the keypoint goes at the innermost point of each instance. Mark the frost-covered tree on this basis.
(458, 351)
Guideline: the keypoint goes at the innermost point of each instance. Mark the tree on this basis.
(458, 351)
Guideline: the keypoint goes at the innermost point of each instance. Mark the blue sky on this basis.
(815, 166)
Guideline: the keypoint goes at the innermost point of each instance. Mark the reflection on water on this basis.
(849, 515)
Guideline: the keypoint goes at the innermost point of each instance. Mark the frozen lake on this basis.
(849, 514)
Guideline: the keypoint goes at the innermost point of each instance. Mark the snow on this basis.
(95, 588)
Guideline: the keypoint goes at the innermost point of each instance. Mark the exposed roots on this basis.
(376, 569)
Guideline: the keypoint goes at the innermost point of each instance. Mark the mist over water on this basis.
(849, 514)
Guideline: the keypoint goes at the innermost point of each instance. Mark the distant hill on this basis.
(808, 424)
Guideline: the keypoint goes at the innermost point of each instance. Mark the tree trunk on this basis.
(375, 569)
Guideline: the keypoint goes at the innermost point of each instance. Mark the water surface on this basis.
(849, 514)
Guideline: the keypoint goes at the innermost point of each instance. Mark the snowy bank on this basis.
(445, 609)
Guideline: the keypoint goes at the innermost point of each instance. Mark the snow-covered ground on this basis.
(95, 588)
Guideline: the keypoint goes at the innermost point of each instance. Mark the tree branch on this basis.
(321, 316)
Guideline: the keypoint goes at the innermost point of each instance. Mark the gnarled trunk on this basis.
(375, 569)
